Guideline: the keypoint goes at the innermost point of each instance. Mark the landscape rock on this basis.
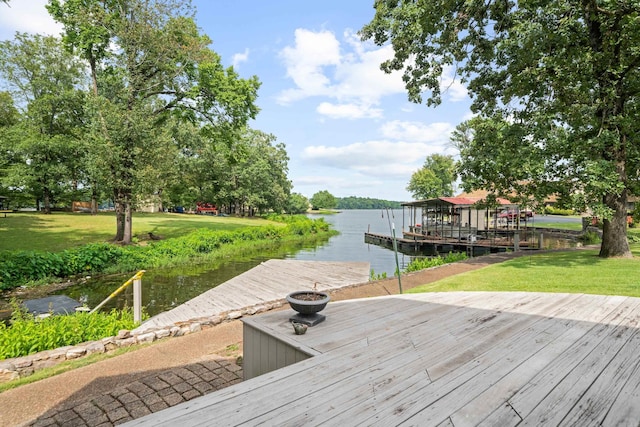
(127, 342)
(146, 338)
(22, 362)
(76, 352)
(162, 333)
(96, 347)
(234, 315)
(6, 376)
(123, 334)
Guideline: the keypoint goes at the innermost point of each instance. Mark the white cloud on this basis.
(238, 58)
(437, 133)
(319, 66)
(27, 17)
(305, 62)
(349, 72)
(372, 158)
(348, 111)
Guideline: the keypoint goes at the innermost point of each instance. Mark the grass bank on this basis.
(61, 230)
(214, 239)
(577, 271)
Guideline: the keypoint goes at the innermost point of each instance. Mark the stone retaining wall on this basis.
(20, 367)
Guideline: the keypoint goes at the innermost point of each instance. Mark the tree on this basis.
(434, 179)
(162, 68)
(323, 200)
(46, 80)
(555, 86)
(297, 204)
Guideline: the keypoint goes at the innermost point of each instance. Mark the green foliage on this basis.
(434, 179)
(163, 93)
(27, 334)
(590, 238)
(421, 263)
(377, 276)
(21, 267)
(323, 200)
(555, 92)
(353, 202)
(550, 210)
(297, 204)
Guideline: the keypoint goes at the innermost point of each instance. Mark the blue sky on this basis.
(347, 126)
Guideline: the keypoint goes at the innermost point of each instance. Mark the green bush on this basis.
(421, 263)
(27, 334)
(590, 238)
(21, 267)
(550, 210)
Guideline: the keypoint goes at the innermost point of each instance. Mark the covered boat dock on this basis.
(462, 224)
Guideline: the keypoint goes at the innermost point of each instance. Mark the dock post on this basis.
(137, 300)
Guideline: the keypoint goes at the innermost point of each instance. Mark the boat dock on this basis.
(434, 246)
(267, 283)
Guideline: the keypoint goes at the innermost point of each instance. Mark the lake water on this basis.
(165, 289)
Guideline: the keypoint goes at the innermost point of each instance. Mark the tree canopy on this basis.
(160, 72)
(434, 179)
(323, 200)
(555, 87)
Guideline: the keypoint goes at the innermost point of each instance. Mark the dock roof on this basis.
(457, 201)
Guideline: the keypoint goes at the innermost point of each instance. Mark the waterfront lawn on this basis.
(579, 271)
(61, 230)
(549, 222)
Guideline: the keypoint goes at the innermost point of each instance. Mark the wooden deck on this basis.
(269, 282)
(443, 359)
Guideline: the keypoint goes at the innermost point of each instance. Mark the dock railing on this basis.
(136, 279)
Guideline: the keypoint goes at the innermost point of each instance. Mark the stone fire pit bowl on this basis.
(308, 304)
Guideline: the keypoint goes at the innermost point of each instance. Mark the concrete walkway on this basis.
(169, 371)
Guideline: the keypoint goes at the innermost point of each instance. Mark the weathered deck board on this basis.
(450, 359)
(269, 282)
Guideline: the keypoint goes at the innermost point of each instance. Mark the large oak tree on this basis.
(150, 66)
(555, 86)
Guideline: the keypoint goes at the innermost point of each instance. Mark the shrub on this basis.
(550, 210)
(21, 267)
(422, 263)
(590, 238)
(28, 335)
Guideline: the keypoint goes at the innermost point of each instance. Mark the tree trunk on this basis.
(119, 219)
(47, 201)
(127, 223)
(94, 204)
(614, 232)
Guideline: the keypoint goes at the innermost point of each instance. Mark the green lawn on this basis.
(59, 231)
(580, 271)
(549, 222)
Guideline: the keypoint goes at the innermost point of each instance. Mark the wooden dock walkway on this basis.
(442, 359)
(269, 282)
(433, 246)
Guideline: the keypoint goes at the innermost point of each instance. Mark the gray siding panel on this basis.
(263, 353)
